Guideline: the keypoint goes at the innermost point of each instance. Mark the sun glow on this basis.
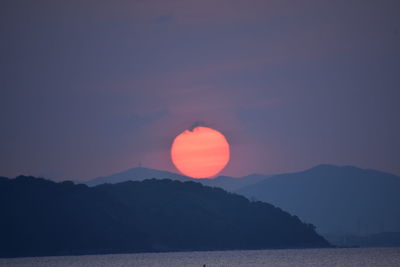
(200, 153)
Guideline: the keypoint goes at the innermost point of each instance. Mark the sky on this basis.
(90, 88)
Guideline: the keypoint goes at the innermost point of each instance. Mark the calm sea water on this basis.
(364, 257)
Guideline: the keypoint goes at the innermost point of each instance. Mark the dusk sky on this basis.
(90, 88)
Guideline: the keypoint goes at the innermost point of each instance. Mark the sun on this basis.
(200, 153)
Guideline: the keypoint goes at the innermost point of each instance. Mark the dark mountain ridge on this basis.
(40, 217)
(140, 173)
(136, 174)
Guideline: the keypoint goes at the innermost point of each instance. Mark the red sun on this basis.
(200, 153)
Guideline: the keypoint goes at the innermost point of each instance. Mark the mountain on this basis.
(139, 174)
(338, 200)
(40, 217)
(232, 184)
(136, 174)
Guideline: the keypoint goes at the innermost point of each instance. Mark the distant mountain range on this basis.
(41, 217)
(341, 201)
(338, 200)
(383, 239)
(139, 174)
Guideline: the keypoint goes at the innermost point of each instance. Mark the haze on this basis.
(90, 88)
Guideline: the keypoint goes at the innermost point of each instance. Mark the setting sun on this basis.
(200, 153)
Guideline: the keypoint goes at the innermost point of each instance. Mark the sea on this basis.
(364, 257)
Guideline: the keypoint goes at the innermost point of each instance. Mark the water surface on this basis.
(364, 257)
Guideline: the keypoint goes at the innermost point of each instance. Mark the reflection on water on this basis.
(364, 257)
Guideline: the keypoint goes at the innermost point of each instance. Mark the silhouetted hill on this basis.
(40, 217)
(136, 174)
(338, 200)
(139, 174)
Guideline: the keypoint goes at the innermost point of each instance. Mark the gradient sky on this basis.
(89, 88)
